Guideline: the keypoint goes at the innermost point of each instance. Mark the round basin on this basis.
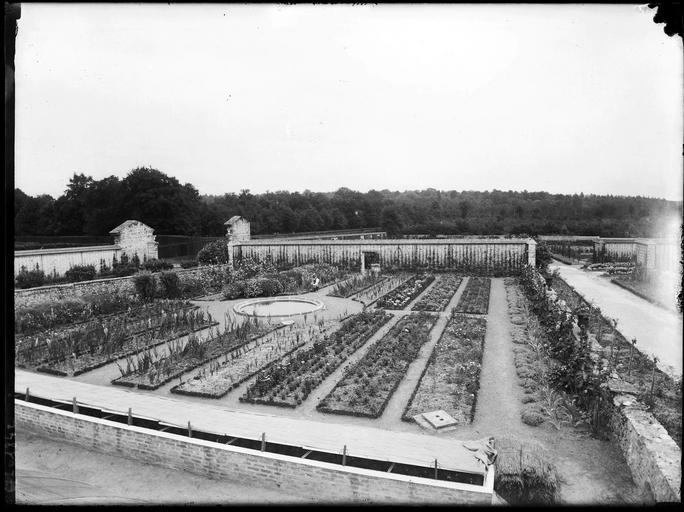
(278, 306)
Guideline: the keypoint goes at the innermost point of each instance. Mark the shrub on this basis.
(157, 265)
(170, 285)
(253, 288)
(145, 285)
(234, 290)
(30, 278)
(214, 253)
(124, 270)
(532, 415)
(80, 273)
(270, 287)
(188, 263)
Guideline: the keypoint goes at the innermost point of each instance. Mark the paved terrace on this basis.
(361, 441)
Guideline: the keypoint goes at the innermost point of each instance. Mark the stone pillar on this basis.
(650, 262)
(363, 264)
(531, 252)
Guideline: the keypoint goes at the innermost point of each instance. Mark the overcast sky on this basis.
(566, 99)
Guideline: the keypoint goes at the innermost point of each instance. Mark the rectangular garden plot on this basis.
(77, 337)
(243, 363)
(288, 384)
(366, 388)
(475, 298)
(437, 298)
(451, 378)
(149, 371)
(403, 294)
(356, 284)
(96, 348)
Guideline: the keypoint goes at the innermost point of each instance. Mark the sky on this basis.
(559, 98)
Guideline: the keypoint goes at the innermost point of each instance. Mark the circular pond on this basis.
(278, 306)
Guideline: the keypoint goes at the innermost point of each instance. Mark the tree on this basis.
(390, 221)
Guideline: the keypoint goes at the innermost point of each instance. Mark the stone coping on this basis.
(66, 250)
(427, 241)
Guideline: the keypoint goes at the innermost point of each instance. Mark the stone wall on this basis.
(130, 238)
(123, 285)
(325, 481)
(134, 237)
(453, 254)
(653, 457)
(58, 261)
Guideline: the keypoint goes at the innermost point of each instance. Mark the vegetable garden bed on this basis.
(354, 285)
(367, 387)
(34, 347)
(288, 384)
(88, 362)
(451, 379)
(96, 343)
(475, 297)
(150, 371)
(403, 294)
(240, 366)
(437, 298)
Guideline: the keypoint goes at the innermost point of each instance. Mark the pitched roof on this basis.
(124, 225)
(234, 219)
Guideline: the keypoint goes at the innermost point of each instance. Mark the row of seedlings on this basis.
(289, 383)
(367, 387)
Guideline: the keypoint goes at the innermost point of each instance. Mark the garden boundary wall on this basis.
(130, 238)
(326, 481)
(58, 261)
(123, 285)
(488, 255)
(653, 457)
(651, 253)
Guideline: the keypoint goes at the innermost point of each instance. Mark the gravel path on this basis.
(658, 331)
(498, 371)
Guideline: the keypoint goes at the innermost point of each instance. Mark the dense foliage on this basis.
(93, 207)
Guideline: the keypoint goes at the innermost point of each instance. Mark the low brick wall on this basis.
(328, 482)
(653, 457)
(31, 296)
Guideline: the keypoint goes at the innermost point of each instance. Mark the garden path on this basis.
(498, 371)
(591, 470)
(397, 403)
(658, 331)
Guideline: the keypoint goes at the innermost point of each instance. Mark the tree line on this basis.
(94, 207)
